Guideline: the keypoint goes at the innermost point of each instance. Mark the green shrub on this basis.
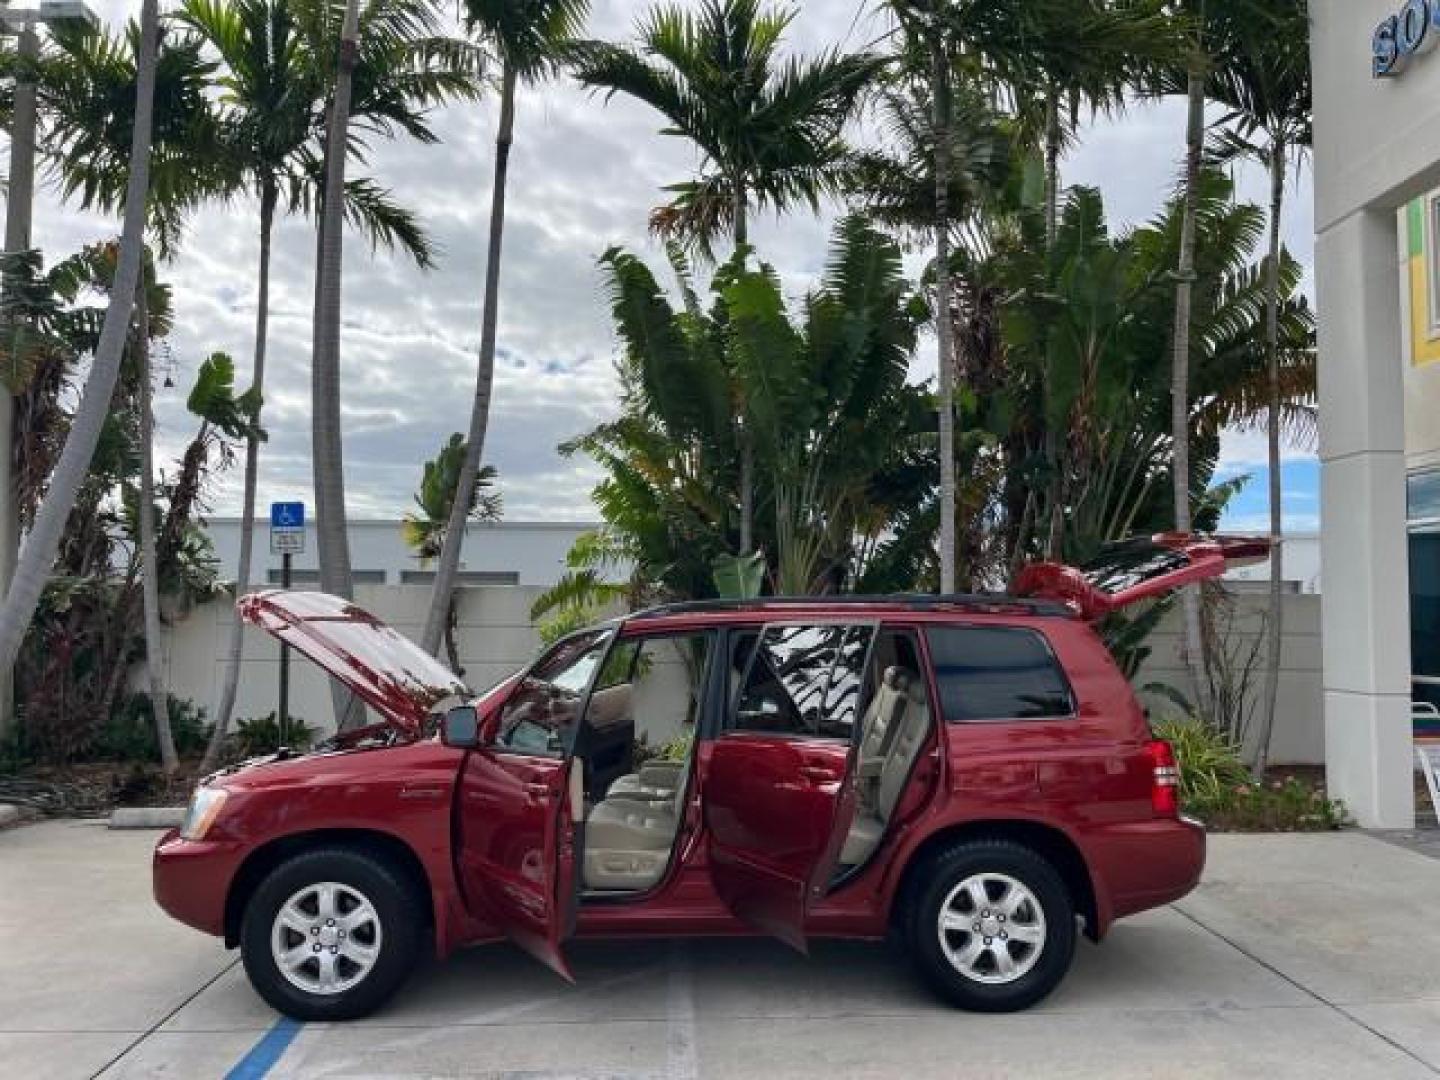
(129, 732)
(677, 749)
(1210, 763)
(261, 735)
(1216, 786)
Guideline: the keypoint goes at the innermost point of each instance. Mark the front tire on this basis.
(330, 934)
(991, 926)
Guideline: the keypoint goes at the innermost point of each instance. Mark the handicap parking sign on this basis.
(287, 515)
(287, 528)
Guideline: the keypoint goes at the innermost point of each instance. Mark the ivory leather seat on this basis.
(890, 743)
(628, 839)
(654, 781)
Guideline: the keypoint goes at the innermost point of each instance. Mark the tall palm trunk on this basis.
(1054, 445)
(327, 450)
(449, 561)
(1052, 166)
(149, 562)
(38, 555)
(1191, 641)
(943, 327)
(1275, 624)
(747, 439)
(269, 196)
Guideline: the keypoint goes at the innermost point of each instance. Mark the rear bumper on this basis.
(192, 878)
(1147, 864)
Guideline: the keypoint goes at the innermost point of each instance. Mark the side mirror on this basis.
(461, 728)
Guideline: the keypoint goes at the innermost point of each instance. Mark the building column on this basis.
(1365, 599)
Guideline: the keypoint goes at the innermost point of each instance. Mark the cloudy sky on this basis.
(583, 176)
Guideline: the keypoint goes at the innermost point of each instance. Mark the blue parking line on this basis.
(265, 1053)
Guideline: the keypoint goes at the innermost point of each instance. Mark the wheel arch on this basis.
(265, 858)
(1047, 841)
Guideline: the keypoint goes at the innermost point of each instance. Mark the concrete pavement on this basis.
(1310, 956)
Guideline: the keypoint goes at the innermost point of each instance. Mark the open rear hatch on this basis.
(388, 671)
(1129, 571)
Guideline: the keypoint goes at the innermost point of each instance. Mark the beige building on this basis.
(1377, 215)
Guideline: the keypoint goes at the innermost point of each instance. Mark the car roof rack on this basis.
(903, 601)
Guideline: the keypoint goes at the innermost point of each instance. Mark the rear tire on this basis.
(991, 926)
(331, 934)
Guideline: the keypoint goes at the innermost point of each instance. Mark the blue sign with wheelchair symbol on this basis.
(287, 515)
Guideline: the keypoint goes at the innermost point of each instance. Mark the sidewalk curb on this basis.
(10, 814)
(147, 817)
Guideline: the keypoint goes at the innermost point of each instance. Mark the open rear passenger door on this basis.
(1130, 571)
(778, 785)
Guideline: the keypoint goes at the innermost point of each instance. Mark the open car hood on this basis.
(388, 671)
(1129, 571)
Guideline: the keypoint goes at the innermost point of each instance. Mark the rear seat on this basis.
(655, 781)
(882, 775)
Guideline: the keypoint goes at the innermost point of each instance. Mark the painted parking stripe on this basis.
(265, 1053)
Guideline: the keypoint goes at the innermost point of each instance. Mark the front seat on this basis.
(628, 840)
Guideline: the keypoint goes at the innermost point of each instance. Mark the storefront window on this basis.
(1423, 513)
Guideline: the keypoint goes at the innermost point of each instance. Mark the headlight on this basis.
(205, 807)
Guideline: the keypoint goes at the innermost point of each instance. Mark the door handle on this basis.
(820, 774)
(539, 791)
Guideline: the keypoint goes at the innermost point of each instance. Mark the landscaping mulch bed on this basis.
(93, 789)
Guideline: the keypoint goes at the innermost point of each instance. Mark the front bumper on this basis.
(192, 879)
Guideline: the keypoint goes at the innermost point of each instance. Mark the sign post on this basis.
(287, 538)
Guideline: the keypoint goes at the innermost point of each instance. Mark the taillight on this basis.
(1164, 779)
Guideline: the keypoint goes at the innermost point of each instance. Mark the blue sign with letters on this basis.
(287, 515)
(1413, 30)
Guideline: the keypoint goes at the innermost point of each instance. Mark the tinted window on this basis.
(541, 715)
(1127, 563)
(996, 673)
(805, 680)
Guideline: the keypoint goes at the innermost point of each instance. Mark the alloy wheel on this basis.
(326, 938)
(992, 928)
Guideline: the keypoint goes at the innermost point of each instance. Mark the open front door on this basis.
(520, 799)
(778, 784)
(1130, 571)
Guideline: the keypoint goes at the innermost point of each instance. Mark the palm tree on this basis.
(1266, 88)
(898, 186)
(328, 462)
(426, 532)
(769, 133)
(87, 101)
(527, 38)
(43, 540)
(1207, 28)
(273, 94)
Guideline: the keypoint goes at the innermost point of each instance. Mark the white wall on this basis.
(1299, 736)
(534, 550)
(1377, 144)
(1301, 566)
(495, 638)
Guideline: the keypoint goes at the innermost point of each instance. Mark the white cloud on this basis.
(584, 175)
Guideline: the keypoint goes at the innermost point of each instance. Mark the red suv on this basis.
(971, 774)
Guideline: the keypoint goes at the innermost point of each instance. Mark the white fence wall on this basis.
(1299, 736)
(496, 637)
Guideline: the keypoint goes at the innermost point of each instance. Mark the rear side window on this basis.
(997, 673)
(804, 681)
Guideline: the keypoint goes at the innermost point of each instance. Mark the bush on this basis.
(677, 749)
(129, 732)
(1216, 786)
(261, 735)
